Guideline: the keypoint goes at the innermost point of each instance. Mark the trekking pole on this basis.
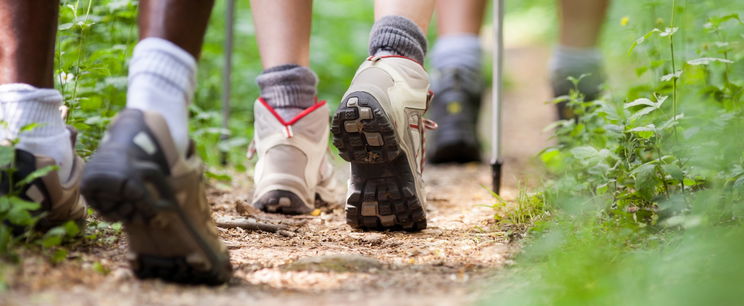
(227, 74)
(497, 94)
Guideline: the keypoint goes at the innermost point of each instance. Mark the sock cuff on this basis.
(165, 65)
(288, 86)
(455, 51)
(398, 35)
(571, 58)
(17, 92)
(23, 104)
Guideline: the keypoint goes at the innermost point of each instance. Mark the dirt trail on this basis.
(325, 262)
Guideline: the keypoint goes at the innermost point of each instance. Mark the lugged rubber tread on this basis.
(382, 195)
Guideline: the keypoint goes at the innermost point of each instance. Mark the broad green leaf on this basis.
(708, 60)
(641, 113)
(36, 174)
(671, 122)
(671, 76)
(641, 39)
(584, 152)
(30, 127)
(4, 204)
(641, 101)
(7, 155)
(645, 178)
(674, 171)
(71, 228)
(644, 132)
(20, 211)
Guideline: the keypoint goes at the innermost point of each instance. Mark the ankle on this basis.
(396, 35)
(289, 89)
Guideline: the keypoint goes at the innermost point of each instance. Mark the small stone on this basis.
(121, 275)
(335, 263)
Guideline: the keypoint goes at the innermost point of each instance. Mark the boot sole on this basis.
(282, 202)
(123, 192)
(383, 189)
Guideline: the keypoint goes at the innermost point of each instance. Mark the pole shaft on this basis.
(227, 72)
(497, 91)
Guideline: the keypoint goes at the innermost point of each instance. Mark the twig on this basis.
(249, 224)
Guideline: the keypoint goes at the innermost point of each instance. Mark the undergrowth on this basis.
(647, 187)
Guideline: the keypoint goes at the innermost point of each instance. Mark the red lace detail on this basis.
(288, 124)
(377, 58)
(427, 124)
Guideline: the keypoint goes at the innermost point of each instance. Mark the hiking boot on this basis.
(138, 177)
(455, 108)
(379, 129)
(59, 201)
(293, 174)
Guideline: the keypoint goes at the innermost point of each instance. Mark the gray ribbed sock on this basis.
(289, 89)
(461, 54)
(457, 51)
(396, 35)
(573, 62)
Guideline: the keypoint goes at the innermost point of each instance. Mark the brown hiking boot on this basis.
(60, 201)
(137, 177)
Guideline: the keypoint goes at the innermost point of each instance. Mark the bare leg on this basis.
(419, 11)
(460, 17)
(581, 22)
(577, 55)
(283, 31)
(182, 22)
(27, 33)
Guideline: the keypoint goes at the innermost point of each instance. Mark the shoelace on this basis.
(426, 125)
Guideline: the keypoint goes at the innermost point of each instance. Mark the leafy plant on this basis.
(646, 185)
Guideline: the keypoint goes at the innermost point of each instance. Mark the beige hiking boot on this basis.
(138, 177)
(293, 174)
(60, 201)
(379, 128)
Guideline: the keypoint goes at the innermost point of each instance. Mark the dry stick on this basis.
(252, 225)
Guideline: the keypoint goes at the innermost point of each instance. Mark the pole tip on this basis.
(496, 176)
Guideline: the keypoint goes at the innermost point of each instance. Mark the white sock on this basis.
(21, 105)
(162, 79)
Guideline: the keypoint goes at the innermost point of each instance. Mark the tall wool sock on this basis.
(457, 51)
(397, 35)
(461, 53)
(162, 79)
(21, 105)
(289, 89)
(574, 62)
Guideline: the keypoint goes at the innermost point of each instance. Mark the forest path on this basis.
(325, 262)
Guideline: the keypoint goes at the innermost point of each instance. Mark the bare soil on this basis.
(323, 261)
